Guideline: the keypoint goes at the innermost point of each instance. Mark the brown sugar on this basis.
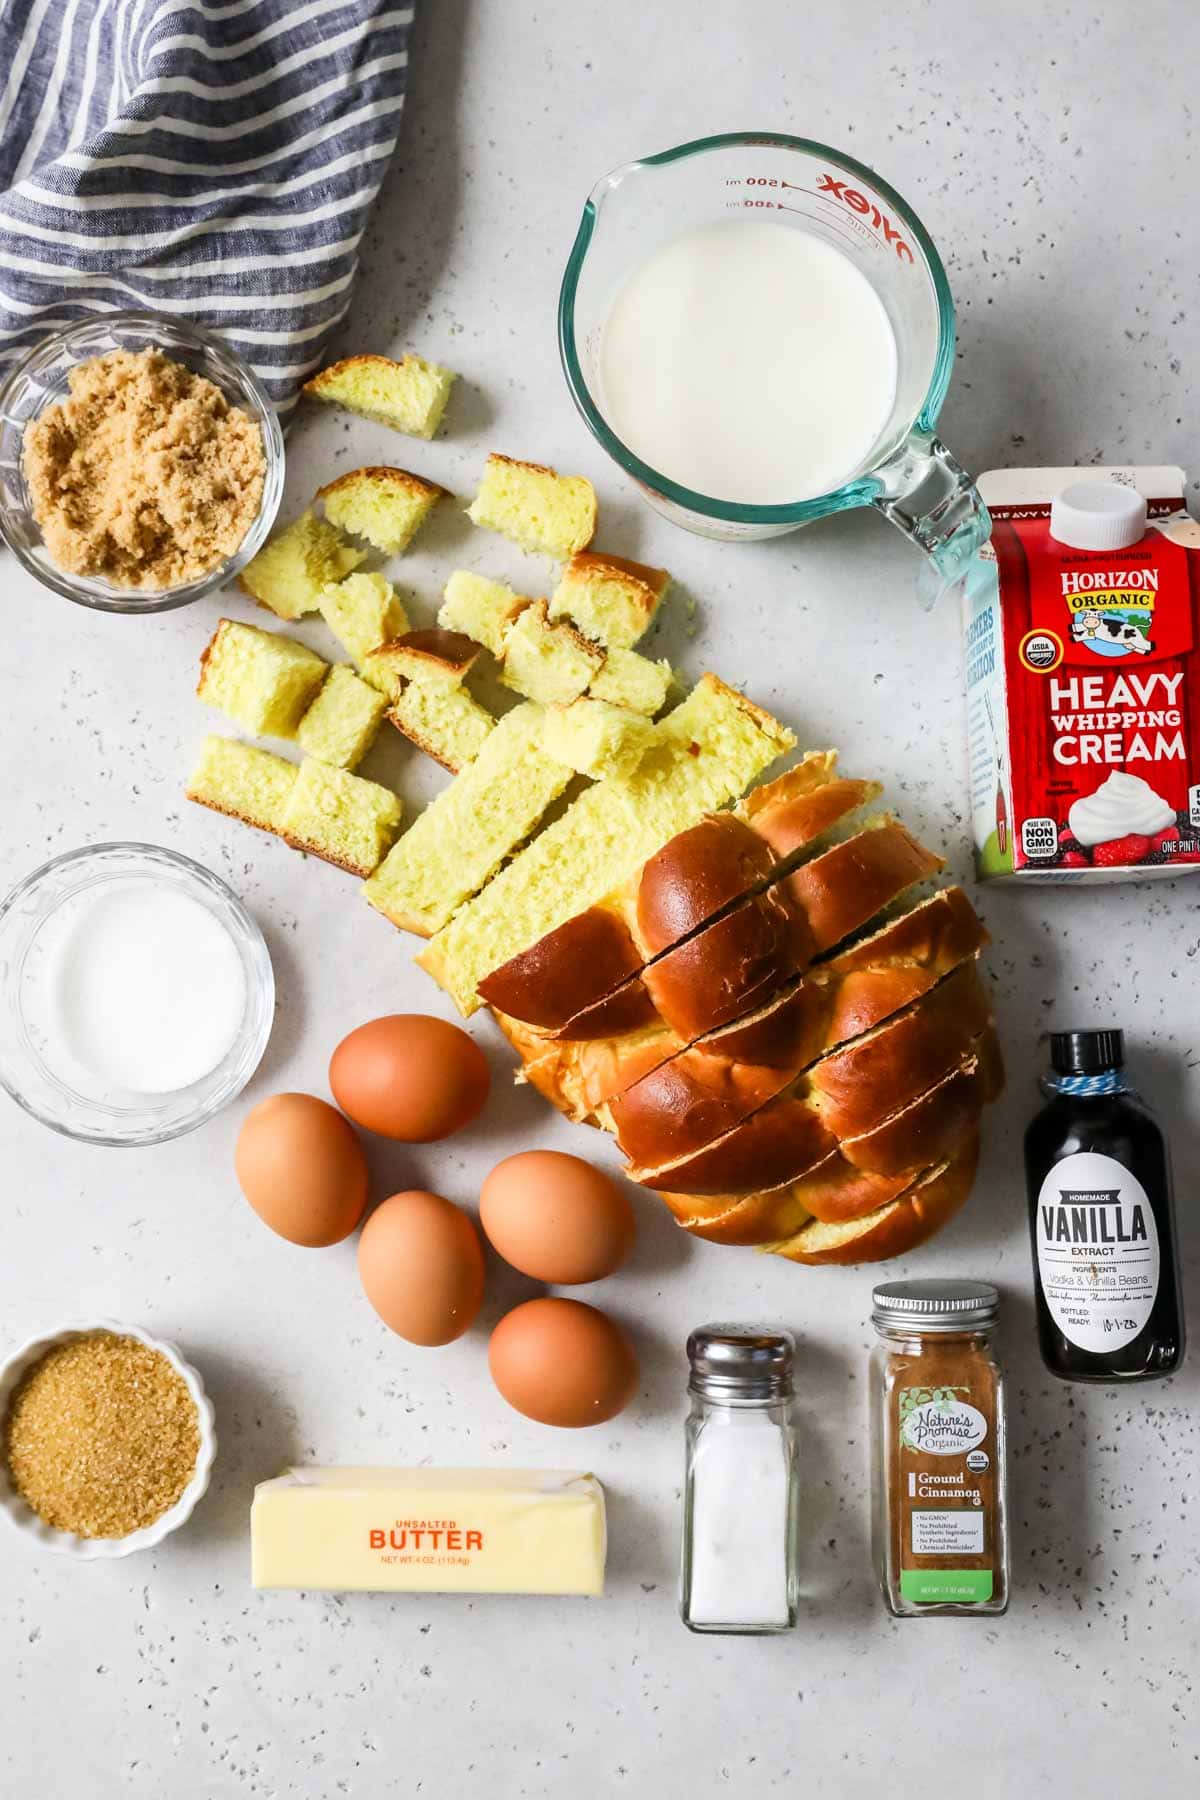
(145, 474)
(101, 1436)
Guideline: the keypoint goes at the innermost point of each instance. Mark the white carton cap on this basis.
(1098, 515)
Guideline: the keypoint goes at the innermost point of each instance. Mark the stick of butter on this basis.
(430, 1531)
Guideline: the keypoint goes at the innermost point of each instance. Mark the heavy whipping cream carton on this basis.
(1082, 621)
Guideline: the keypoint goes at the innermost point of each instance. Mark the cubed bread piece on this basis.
(443, 720)
(244, 782)
(340, 817)
(552, 664)
(463, 835)
(597, 739)
(480, 608)
(630, 679)
(705, 753)
(611, 600)
(536, 507)
(261, 680)
(384, 505)
(294, 566)
(340, 725)
(363, 612)
(409, 395)
(432, 655)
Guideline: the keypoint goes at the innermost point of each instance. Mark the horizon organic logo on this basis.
(859, 203)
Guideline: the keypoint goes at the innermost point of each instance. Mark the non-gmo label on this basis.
(948, 1533)
(1039, 837)
(1097, 1251)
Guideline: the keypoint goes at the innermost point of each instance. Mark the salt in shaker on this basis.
(739, 1531)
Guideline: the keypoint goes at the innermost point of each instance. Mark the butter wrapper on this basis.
(429, 1531)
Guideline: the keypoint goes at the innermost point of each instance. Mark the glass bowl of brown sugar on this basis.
(107, 1440)
(141, 462)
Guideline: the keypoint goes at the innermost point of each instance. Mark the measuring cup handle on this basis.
(935, 502)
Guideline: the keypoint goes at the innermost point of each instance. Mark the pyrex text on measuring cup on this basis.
(760, 332)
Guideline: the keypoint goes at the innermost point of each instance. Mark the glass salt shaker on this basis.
(738, 1573)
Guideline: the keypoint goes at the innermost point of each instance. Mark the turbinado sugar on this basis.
(101, 1436)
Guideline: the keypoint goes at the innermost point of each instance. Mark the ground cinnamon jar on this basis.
(937, 1442)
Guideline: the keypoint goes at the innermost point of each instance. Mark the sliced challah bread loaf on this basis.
(846, 1099)
(838, 998)
(836, 1190)
(789, 1044)
(723, 1077)
(703, 871)
(836, 1122)
(922, 1209)
(706, 751)
(732, 963)
(738, 961)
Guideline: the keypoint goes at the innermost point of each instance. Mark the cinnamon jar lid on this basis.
(936, 1305)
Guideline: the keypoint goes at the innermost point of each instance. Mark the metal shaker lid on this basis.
(741, 1362)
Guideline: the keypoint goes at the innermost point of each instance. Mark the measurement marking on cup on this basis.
(850, 201)
(859, 225)
(771, 181)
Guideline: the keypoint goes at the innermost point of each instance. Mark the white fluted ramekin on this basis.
(66, 1543)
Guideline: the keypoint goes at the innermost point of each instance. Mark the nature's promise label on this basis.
(948, 1487)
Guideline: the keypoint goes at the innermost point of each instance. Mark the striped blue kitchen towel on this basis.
(213, 159)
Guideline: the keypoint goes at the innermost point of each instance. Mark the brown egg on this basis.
(410, 1077)
(421, 1264)
(563, 1363)
(302, 1168)
(556, 1218)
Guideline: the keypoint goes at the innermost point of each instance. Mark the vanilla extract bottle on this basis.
(1102, 1220)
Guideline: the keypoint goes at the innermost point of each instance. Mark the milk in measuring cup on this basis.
(750, 362)
(1082, 617)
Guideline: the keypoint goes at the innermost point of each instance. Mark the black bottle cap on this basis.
(1086, 1052)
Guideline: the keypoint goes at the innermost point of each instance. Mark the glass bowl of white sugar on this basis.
(136, 994)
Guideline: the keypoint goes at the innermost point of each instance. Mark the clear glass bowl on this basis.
(41, 379)
(36, 1066)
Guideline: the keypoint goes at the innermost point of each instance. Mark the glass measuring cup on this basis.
(909, 475)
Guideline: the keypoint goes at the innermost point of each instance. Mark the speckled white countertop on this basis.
(1048, 154)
